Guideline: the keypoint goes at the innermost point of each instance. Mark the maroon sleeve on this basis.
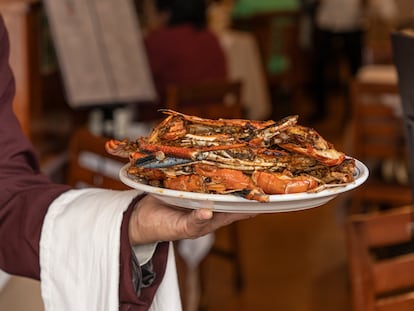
(127, 298)
(25, 193)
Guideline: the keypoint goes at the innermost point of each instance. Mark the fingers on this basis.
(153, 220)
(228, 218)
(203, 221)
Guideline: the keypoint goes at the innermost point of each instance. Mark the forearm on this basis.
(42, 226)
(25, 193)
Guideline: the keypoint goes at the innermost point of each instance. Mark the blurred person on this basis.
(338, 28)
(181, 48)
(92, 249)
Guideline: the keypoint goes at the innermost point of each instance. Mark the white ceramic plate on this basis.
(231, 203)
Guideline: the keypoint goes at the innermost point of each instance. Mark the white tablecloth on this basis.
(244, 63)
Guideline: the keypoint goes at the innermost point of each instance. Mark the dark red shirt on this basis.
(181, 54)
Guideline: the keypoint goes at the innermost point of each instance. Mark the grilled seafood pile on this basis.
(253, 159)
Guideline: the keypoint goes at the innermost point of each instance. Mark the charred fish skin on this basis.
(167, 162)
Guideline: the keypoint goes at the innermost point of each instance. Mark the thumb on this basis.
(198, 222)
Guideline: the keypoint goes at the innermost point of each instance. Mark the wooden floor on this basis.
(291, 261)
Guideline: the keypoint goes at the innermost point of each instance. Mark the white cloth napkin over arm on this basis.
(79, 253)
(79, 250)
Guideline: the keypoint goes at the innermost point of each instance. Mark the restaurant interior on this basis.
(354, 252)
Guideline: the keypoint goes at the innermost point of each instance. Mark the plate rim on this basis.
(362, 175)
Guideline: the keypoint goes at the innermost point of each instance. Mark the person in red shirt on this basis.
(182, 49)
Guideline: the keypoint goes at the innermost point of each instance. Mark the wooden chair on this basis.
(381, 260)
(90, 165)
(378, 137)
(209, 99)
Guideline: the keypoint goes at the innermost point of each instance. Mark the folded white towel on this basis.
(79, 253)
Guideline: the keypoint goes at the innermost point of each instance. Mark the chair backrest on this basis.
(378, 121)
(208, 99)
(381, 260)
(90, 165)
(379, 141)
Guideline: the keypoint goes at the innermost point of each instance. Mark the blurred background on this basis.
(89, 71)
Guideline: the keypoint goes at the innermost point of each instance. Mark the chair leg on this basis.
(233, 254)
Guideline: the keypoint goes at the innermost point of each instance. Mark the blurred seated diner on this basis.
(242, 60)
(181, 49)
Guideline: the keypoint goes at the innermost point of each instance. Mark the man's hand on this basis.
(153, 220)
